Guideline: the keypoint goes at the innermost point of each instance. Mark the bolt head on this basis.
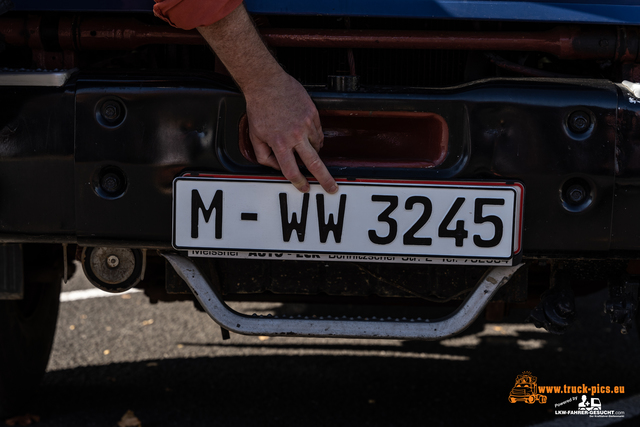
(577, 193)
(110, 183)
(110, 111)
(113, 261)
(579, 122)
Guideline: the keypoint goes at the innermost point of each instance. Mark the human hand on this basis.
(284, 121)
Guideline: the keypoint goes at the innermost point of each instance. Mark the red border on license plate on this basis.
(367, 220)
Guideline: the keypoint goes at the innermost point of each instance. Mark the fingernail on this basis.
(304, 188)
(333, 189)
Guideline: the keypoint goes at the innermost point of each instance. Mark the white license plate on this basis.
(379, 221)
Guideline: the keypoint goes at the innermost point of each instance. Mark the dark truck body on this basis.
(500, 129)
(563, 11)
(103, 107)
(530, 93)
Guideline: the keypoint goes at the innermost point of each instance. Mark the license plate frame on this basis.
(439, 193)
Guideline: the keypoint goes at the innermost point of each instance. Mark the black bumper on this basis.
(56, 146)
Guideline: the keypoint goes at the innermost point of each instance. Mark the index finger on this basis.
(290, 170)
(314, 164)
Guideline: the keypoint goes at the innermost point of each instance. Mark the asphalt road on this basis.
(168, 364)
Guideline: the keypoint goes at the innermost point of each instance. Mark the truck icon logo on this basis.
(526, 390)
(595, 404)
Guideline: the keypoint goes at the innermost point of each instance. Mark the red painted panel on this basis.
(375, 139)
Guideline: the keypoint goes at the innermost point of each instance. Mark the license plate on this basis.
(378, 221)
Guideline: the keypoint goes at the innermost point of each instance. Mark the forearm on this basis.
(242, 51)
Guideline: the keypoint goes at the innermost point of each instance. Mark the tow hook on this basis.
(622, 304)
(557, 306)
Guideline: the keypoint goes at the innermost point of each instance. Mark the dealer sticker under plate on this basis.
(375, 221)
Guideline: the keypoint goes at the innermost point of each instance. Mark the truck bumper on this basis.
(60, 146)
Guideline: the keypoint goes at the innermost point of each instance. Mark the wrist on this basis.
(264, 81)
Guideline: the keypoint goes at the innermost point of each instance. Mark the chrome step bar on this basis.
(401, 329)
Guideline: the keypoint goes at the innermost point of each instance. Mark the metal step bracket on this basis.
(345, 327)
(11, 272)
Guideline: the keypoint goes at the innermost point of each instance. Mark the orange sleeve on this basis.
(189, 14)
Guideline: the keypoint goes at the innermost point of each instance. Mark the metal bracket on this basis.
(11, 272)
(65, 260)
(622, 304)
(405, 329)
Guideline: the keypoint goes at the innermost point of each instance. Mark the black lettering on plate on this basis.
(384, 217)
(330, 225)
(409, 237)
(248, 216)
(197, 204)
(288, 227)
(459, 233)
(478, 218)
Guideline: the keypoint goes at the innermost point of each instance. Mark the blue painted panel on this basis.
(590, 11)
